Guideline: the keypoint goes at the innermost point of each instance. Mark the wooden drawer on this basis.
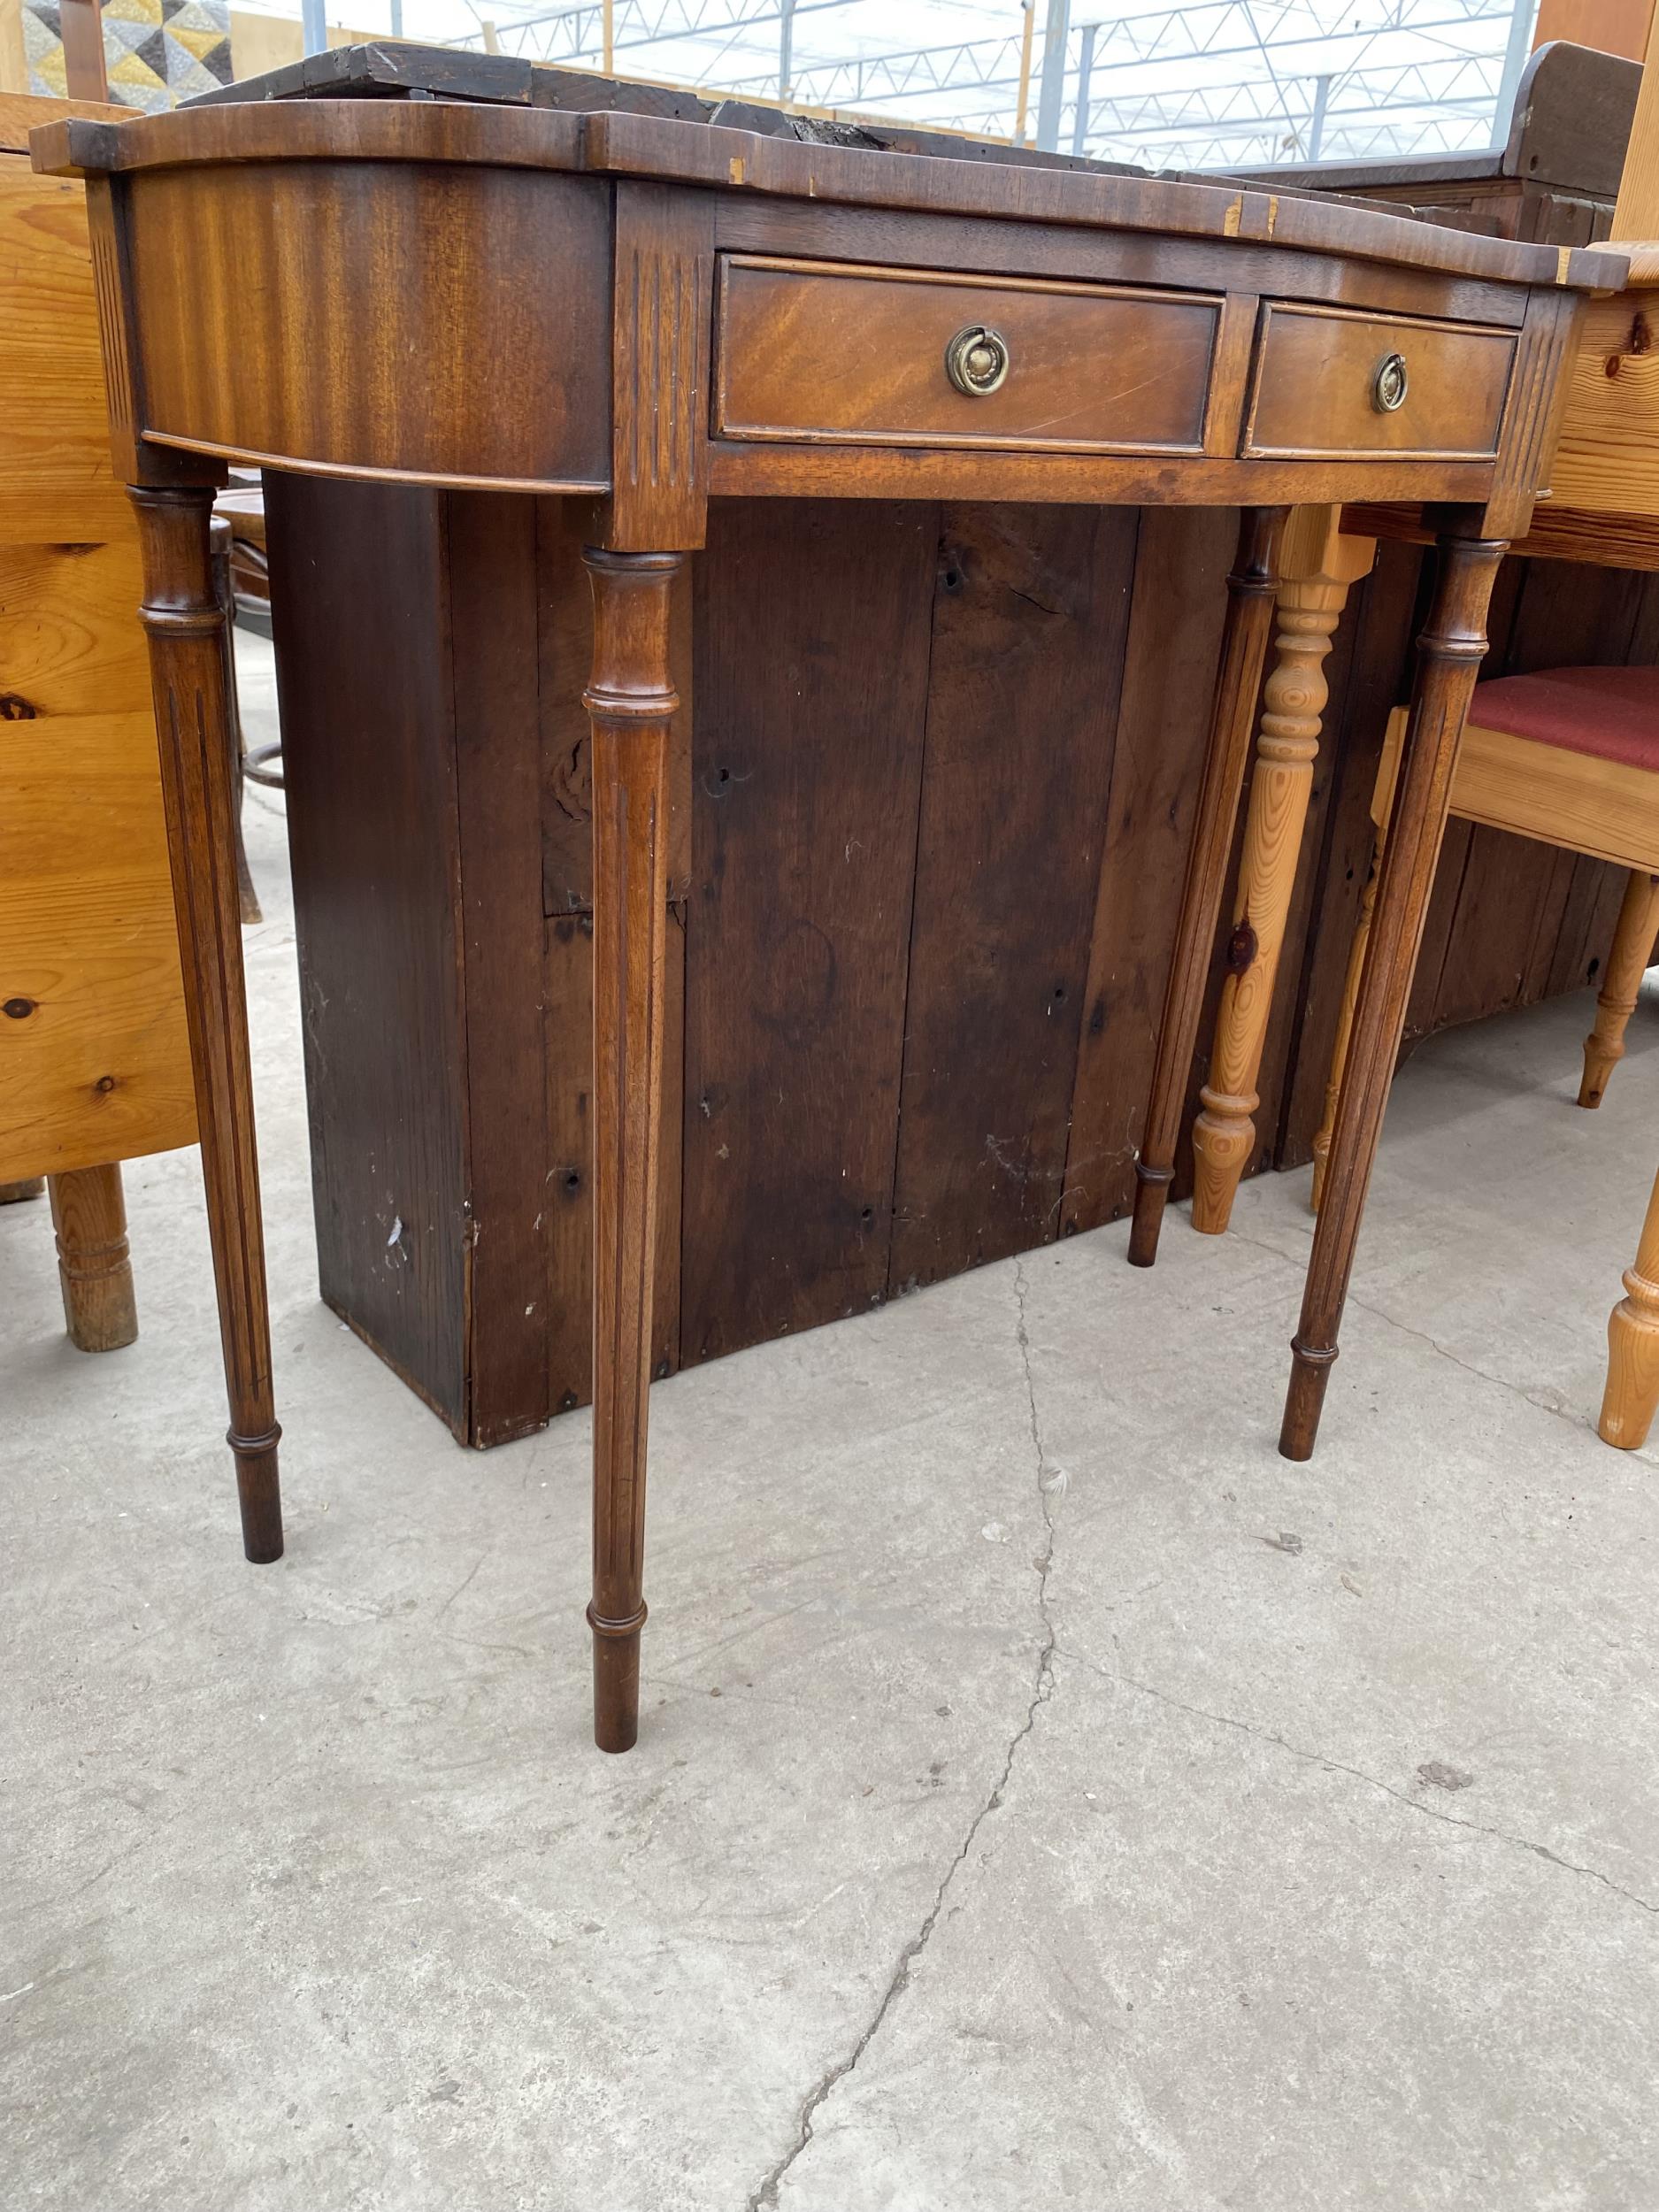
(831, 352)
(1315, 377)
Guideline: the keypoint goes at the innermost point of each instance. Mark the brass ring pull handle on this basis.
(975, 360)
(1389, 386)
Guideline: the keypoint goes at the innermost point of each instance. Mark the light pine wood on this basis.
(1319, 567)
(94, 1052)
(57, 487)
(631, 703)
(1604, 808)
(1636, 210)
(94, 1270)
(1632, 1391)
(1627, 964)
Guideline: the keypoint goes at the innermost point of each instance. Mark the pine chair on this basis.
(1569, 755)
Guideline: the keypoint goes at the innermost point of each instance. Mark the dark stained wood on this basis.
(1449, 653)
(812, 681)
(361, 619)
(786, 330)
(667, 149)
(493, 628)
(1316, 375)
(182, 619)
(1030, 614)
(508, 379)
(357, 301)
(630, 698)
(1250, 604)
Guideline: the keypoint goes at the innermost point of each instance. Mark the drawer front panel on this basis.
(1320, 383)
(821, 353)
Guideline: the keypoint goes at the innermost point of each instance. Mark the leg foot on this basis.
(1152, 1193)
(616, 1681)
(89, 1215)
(1305, 1401)
(259, 1495)
(14, 1194)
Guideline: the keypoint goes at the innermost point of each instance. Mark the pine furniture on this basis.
(95, 1063)
(715, 314)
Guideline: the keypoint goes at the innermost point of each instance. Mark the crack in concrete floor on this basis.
(1358, 1774)
(766, 2196)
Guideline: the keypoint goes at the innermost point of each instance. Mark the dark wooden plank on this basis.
(1030, 617)
(1178, 606)
(361, 619)
(498, 775)
(811, 672)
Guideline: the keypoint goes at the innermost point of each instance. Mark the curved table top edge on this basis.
(665, 149)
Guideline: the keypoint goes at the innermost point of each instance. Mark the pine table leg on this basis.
(182, 617)
(1244, 650)
(1632, 1345)
(1318, 566)
(1627, 964)
(1450, 653)
(630, 701)
(94, 1270)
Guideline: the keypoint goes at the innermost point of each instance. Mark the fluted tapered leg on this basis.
(185, 627)
(1244, 650)
(1450, 653)
(630, 701)
(1318, 567)
(1627, 964)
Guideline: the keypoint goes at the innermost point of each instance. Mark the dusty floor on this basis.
(1046, 1794)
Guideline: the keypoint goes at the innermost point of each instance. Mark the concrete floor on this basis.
(1046, 1796)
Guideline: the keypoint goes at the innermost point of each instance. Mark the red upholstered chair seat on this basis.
(1610, 712)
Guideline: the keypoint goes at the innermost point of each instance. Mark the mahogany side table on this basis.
(640, 312)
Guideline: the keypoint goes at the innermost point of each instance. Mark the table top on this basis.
(655, 310)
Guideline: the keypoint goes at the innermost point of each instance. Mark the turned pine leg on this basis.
(1318, 566)
(1244, 648)
(1627, 964)
(1449, 653)
(89, 1215)
(1633, 1344)
(630, 701)
(182, 616)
